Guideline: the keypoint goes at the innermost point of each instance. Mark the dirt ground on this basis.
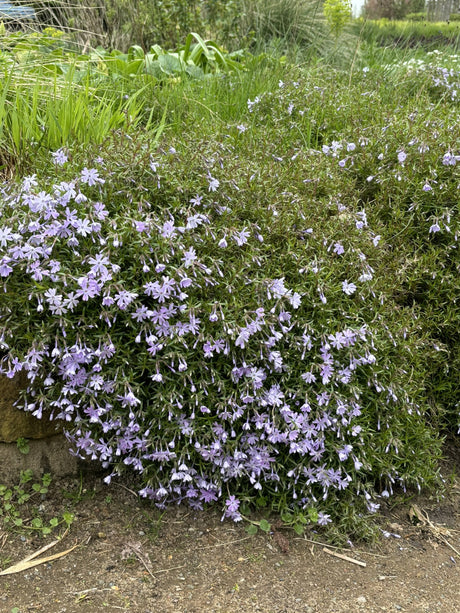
(129, 557)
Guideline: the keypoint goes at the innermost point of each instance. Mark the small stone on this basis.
(361, 600)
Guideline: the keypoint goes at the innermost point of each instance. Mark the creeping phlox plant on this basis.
(440, 68)
(224, 346)
(401, 168)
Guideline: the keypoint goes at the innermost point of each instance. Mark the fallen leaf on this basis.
(30, 562)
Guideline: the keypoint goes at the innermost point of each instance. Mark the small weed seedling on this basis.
(16, 511)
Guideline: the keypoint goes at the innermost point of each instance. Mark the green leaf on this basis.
(170, 64)
(264, 525)
(26, 475)
(161, 127)
(287, 517)
(261, 502)
(251, 529)
(194, 71)
(298, 529)
(135, 52)
(152, 67)
(54, 522)
(23, 445)
(134, 68)
(201, 45)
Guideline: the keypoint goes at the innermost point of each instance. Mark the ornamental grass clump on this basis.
(213, 317)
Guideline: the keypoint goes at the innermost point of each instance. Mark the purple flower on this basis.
(196, 201)
(7, 234)
(338, 248)
(124, 298)
(323, 519)
(168, 230)
(189, 257)
(89, 288)
(5, 269)
(241, 238)
(213, 184)
(348, 288)
(91, 176)
(344, 452)
(449, 159)
(232, 504)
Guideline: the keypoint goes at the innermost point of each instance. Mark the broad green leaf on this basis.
(194, 71)
(170, 64)
(135, 67)
(264, 525)
(152, 67)
(156, 50)
(135, 52)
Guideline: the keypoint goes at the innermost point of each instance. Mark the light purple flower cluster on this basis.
(447, 80)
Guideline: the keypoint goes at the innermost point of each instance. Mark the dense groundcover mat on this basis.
(221, 316)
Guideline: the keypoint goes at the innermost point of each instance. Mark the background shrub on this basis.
(120, 23)
(416, 16)
(412, 34)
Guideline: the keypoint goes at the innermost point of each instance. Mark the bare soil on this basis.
(129, 557)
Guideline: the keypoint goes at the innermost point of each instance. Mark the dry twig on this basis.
(342, 557)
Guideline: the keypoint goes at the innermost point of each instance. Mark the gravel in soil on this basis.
(130, 557)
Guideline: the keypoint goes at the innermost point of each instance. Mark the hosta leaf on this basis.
(152, 67)
(170, 64)
(135, 52)
(194, 71)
